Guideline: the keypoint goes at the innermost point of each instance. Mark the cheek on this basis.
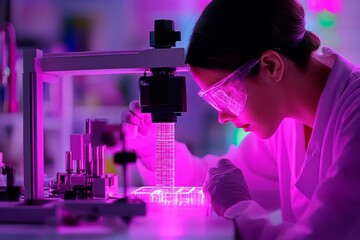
(261, 111)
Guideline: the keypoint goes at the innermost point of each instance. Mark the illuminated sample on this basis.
(165, 192)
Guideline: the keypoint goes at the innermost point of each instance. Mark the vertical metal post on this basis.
(33, 126)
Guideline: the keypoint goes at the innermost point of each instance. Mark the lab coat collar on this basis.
(308, 179)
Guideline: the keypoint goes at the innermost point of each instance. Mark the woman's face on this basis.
(262, 113)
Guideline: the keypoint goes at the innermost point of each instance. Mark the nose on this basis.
(224, 117)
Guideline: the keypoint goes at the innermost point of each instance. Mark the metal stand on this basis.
(39, 67)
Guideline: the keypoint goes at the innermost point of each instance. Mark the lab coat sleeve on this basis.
(257, 159)
(334, 211)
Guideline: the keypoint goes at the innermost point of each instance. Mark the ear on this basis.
(272, 65)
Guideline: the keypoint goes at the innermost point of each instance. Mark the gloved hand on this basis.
(144, 142)
(225, 186)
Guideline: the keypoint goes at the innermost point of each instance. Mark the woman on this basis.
(258, 66)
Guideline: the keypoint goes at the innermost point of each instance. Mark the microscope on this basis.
(163, 94)
(84, 188)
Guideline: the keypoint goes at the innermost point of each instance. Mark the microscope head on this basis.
(163, 94)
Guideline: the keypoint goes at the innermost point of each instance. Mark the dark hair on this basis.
(231, 32)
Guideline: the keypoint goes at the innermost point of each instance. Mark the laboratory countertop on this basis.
(144, 227)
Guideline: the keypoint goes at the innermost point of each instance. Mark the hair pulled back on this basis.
(229, 33)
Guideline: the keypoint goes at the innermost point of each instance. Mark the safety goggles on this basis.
(229, 94)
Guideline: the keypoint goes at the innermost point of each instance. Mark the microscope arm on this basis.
(39, 67)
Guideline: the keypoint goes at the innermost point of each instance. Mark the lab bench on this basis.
(147, 227)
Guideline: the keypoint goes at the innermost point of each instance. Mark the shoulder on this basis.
(348, 106)
(351, 93)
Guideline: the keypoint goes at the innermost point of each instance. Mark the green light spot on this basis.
(239, 135)
(327, 19)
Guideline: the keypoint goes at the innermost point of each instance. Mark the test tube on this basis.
(165, 155)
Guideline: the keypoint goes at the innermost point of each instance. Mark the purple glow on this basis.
(333, 6)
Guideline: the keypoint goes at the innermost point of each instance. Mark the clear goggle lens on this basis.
(229, 94)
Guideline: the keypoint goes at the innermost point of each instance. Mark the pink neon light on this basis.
(333, 6)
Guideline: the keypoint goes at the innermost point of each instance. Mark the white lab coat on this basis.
(318, 189)
(320, 196)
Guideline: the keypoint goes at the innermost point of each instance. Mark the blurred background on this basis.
(119, 25)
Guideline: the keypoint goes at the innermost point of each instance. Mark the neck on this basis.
(306, 87)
